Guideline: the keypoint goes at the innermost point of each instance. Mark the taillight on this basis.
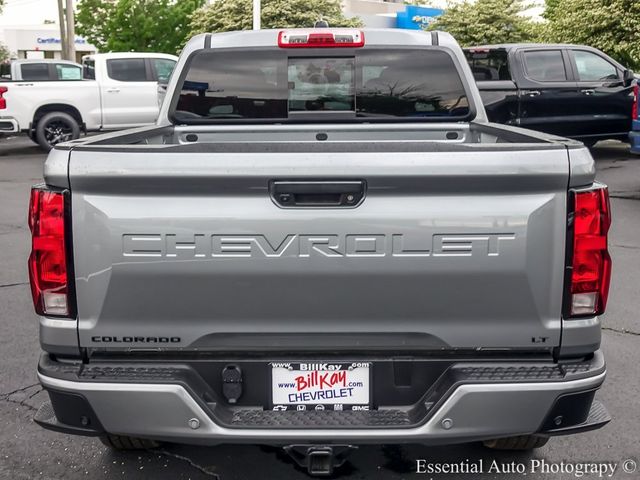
(636, 91)
(3, 101)
(320, 38)
(591, 263)
(48, 269)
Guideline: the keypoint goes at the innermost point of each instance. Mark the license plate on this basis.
(320, 386)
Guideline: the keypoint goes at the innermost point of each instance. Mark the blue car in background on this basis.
(634, 134)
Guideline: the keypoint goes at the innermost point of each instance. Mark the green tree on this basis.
(228, 15)
(612, 26)
(92, 21)
(5, 54)
(551, 7)
(487, 21)
(136, 25)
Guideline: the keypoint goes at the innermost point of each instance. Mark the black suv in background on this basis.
(568, 90)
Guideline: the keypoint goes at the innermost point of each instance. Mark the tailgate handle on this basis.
(302, 194)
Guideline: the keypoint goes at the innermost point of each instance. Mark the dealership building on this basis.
(392, 13)
(39, 41)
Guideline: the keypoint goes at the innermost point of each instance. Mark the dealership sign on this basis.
(55, 40)
(417, 18)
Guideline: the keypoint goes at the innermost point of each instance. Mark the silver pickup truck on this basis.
(321, 243)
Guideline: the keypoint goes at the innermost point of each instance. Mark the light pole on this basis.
(63, 31)
(256, 14)
(71, 31)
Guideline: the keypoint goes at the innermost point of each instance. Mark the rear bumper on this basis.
(9, 125)
(634, 137)
(491, 404)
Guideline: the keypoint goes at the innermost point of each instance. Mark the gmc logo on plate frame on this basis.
(313, 245)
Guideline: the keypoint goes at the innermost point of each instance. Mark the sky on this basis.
(28, 12)
(35, 12)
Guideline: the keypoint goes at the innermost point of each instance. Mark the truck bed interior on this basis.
(330, 137)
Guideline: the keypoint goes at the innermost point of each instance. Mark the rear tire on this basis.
(521, 442)
(124, 443)
(54, 128)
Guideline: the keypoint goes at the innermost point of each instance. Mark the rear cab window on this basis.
(489, 64)
(5, 71)
(262, 84)
(89, 69)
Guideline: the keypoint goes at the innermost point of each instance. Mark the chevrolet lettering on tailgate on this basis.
(295, 245)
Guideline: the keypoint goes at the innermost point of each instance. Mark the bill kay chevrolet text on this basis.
(321, 243)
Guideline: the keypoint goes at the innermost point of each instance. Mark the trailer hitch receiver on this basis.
(319, 460)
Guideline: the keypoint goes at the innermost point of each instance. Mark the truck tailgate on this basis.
(459, 249)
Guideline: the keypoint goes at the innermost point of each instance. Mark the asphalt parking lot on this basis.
(27, 451)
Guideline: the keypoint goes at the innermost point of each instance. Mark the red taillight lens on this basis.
(591, 263)
(48, 272)
(636, 91)
(3, 101)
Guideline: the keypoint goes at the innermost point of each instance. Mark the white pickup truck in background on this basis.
(116, 90)
(33, 70)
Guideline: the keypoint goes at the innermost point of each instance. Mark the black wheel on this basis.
(56, 127)
(119, 442)
(521, 442)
